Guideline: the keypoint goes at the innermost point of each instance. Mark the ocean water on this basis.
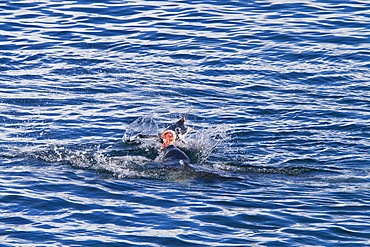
(279, 93)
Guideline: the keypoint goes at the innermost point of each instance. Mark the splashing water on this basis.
(199, 145)
(206, 141)
(146, 125)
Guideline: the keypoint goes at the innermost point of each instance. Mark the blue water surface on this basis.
(279, 93)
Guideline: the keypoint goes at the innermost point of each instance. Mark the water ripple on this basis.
(279, 95)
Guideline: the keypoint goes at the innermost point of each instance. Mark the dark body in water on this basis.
(174, 157)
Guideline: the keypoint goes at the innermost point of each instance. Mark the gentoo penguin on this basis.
(172, 156)
(179, 128)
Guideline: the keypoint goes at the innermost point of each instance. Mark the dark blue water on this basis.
(279, 93)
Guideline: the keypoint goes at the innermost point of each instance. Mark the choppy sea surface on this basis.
(279, 93)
